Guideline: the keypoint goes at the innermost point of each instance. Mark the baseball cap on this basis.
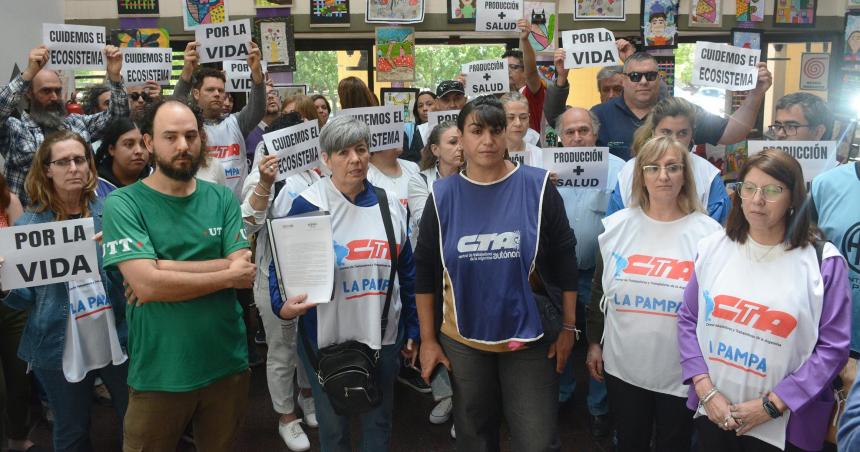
(449, 86)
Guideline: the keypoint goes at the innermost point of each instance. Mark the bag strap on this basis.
(819, 250)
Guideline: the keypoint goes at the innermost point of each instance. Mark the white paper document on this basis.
(303, 250)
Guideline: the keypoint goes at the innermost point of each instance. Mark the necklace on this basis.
(754, 250)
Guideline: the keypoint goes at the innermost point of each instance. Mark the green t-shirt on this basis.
(178, 346)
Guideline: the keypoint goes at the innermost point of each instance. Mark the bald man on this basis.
(46, 113)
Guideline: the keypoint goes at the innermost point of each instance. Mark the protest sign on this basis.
(140, 64)
(225, 41)
(724, 66)
(528, 158)
(486, 77)
(815, 157)
(589, 48)
(498, 15)
(434, 118)
(48, 253)
(297, 148)
(74, 46)
(386, 125)
(238, 75)
(585, 167)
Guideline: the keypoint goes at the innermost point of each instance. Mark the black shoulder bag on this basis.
(347, 371)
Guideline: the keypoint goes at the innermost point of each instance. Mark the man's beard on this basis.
(181, 174)
(50, 117)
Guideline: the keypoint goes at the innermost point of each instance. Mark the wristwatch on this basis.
(770, 408)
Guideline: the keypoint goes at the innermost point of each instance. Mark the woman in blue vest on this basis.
(490, 236)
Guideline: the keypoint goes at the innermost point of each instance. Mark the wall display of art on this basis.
(546, 71)
(277, 44)
(544, 25)
(329, 13)
(660, 23)
(286, 90)
(140, 37)
(794, 13)
(750, 11)
(598, 10)
(395, 54)
(461, 11)
(137, 7)
(706, 13)
(747, 38)
(403, 97)
(736, 158)
(203, 12)
(851, 34)
(666, 68)
(394, 11)
(273, 3)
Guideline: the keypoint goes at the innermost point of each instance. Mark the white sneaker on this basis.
(309, 411)
(442, 411)
(453, 433)
(294, 436)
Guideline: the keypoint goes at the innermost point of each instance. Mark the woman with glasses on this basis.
(517, 115)
(75, 331)
(766, 318)
(645, 260)
(674, 117)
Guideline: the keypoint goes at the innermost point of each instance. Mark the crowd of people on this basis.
(717, 317)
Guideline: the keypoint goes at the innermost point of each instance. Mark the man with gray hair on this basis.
(610, 82)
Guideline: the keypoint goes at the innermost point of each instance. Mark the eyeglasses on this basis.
(770, 193)
(64, 163)
(654, 170)
(636, 77)
(136, 96)
(788, 129)
(516, 67)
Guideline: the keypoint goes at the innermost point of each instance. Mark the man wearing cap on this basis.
(450, 95)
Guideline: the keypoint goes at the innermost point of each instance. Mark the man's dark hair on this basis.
(146, 122)
(518, 54)
(91, 101)
(201, 73)
(816, 111)
(656, 16)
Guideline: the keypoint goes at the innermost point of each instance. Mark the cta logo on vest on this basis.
(749, 313)
(657, 267)
(492, 246)
(361, 249)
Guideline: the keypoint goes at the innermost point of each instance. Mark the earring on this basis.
(791, 211)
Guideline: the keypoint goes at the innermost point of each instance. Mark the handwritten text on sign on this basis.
(487, 77)
(224, 41)
(386, 125)
(815, 157)
(434, 118)
(297, 148)
(141, 64)
(48, 253)
(238, 75)
(589, 48)
(74, 46)
(724, 66)
(498, 15)
(584, 167)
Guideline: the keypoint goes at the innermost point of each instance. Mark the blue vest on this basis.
(489, 237)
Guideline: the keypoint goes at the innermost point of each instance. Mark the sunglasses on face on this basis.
(636, 77)
(136, 96)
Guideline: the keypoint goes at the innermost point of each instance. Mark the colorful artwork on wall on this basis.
(137, 7)
(274, 35)
(598, 10)
(329, 13)
(706, 13)
(749, 11)
(544, 25)
(394, 11)
(140, 37)
(395, 54)
(794, 13)
(660, 23)
(203, 12)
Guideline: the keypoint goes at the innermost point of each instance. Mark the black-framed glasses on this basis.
(636, 77)
(788, 129)
(770, 193)
(136, 96)
(654, 170)
(66, 162)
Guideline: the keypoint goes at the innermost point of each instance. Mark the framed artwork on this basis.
(794, 13)
(851, 34)
(666, 68)
(749, 11)
(273, 3)
(747, 38)
(660, 23)
(395, 54)
(546, 70)
(706, 13)
(286, 90)
(329, 13)
(394, 11)
(461, 11)
(137, 7)
(544, 25)
(598, 10)
(277, 44)
(403, 97)
(140, 37)
(203, 12)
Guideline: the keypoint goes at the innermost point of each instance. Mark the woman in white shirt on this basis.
(517, 112)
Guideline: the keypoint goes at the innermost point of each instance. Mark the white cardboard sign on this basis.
(589, 48)
(815, 157)
(238, 74)
(74, 46)
(140, 64)
(724, 66)
(297, 148)
(386, 125)
(224, 41)
(486, 77)
(48, 253)
(434, 118)
(584, 167)
(498, 15)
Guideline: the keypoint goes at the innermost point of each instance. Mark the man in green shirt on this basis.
(180, 246)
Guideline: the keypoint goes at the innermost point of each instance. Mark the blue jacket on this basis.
(848, 436)
(45, 333)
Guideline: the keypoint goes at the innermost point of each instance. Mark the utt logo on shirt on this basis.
(212, 232)
(122, 245)
(658, 267)
(749, 313)
(222, 152)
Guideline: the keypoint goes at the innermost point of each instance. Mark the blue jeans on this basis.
(375, 424)
(71, 403)
(596, 400)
